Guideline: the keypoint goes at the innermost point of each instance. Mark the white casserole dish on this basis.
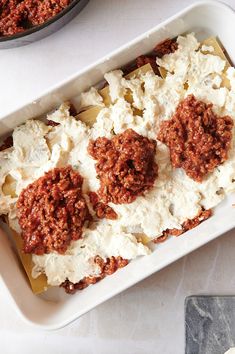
(55, 309)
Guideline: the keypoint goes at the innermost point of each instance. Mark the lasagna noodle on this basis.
(39, 284)
(89, 115)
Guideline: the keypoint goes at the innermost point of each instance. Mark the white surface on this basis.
(149, 317)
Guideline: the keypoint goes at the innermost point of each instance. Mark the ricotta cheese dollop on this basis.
(78, 261)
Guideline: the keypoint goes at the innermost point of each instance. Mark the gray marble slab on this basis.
(209, 324)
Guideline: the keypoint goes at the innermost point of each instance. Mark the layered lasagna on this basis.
(148, 156)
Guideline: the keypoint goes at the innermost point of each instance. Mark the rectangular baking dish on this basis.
(54, 309)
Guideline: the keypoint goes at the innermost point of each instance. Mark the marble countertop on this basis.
(149, 317)
(209, 324)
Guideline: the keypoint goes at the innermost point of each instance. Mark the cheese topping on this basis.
(116, 84)
(174, 197)
(91, 98)
(78, 261)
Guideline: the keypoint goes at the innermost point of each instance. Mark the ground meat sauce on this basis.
(126, 166)
(147, 59)
(52, 211)
(51, 123)
(107, 267)
(102, 210)
(7, 143)
(167, 46)
(16, 15)
(198, 139)
(72, 110)
(187, 225)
